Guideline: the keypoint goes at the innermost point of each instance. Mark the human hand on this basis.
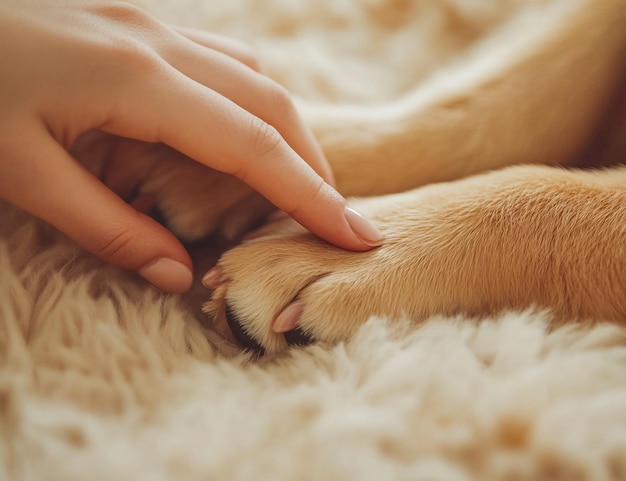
(70, 66)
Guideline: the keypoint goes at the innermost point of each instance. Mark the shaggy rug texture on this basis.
(104, 378)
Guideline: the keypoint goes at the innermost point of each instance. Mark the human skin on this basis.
(74, 66)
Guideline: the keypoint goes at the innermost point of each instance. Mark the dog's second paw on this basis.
(287, 287)
(191, 199)
(196, 201)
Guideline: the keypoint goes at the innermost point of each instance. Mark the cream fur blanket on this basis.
(103, 378)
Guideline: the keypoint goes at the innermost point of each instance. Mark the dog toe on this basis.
(295, 337)
(240, 333)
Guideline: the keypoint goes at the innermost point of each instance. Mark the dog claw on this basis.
(288, 319)
(287, 323)
(213, 278)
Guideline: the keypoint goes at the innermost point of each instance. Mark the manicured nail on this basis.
(363, 228)
(167, 274)
(288, 319)
(213, 278)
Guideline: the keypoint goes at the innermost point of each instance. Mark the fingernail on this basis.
(363, 228)
(167, 274)
(288, 319)
(213, 278)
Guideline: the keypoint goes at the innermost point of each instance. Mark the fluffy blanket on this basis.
(102, 377)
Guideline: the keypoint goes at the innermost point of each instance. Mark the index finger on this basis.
(216, 132)
(253, 92)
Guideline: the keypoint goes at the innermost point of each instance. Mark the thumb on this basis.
(50, 184)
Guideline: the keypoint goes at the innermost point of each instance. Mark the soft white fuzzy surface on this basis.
(102, 377)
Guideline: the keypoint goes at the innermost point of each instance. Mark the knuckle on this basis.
(123, 12)
(130, 31)
(138, 57)
(313, 197)
(115, 246)
(281, 102)
(265, 138)
(249, 57)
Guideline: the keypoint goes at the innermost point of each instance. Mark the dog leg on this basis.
(531, 93)
(510, 239)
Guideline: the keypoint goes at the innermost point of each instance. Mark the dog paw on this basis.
(193, 200)
(522, 237)
(287, 287)
(476, 246)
